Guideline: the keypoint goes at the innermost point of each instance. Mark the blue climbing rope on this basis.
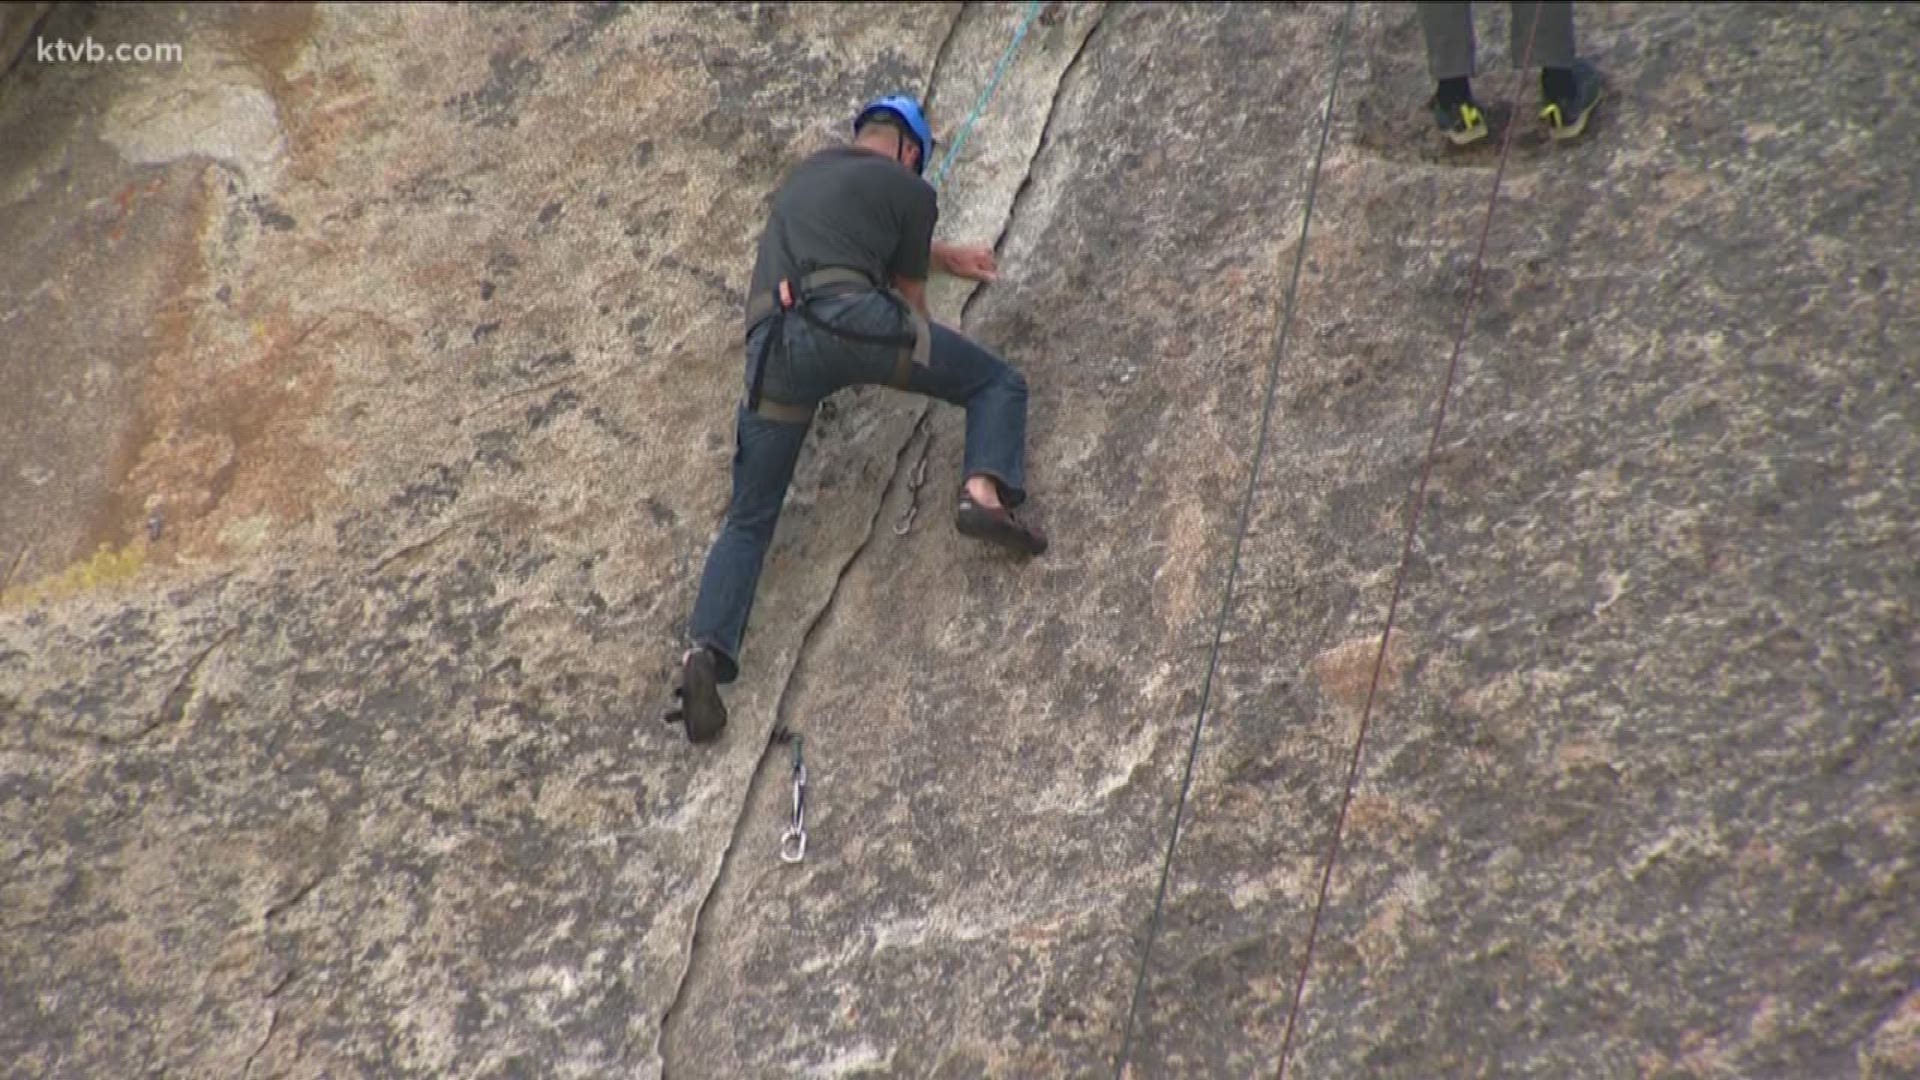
(980, 106)
(919, 474)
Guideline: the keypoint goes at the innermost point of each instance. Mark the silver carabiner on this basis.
(793, 842)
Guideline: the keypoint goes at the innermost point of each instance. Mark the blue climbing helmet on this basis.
(908, 110)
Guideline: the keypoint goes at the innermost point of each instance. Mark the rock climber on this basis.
(838, 299)
(1569, 86)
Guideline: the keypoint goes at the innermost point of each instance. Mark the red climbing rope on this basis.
(1406, 551)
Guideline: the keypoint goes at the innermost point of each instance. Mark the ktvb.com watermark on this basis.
(89, 51)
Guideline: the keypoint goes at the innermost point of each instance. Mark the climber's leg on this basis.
(766, 452)
(994, 393)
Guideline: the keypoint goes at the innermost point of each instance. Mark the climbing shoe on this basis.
(698, 694)
(1566, 113)
(997, 525)
(1461, 122)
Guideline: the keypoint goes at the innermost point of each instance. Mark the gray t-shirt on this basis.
(851, 208)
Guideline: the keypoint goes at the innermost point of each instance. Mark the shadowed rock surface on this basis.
(17, 22)
(368, 384)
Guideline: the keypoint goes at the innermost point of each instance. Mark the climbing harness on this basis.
(1239, 537)
(915, 344)
(795, 295)
(793, 842)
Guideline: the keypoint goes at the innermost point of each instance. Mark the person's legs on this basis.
(766, 452)
(1569, 86)
(958, 371)
(1449, 32)
(962, 372)
(1448, 29)
(1552, 42)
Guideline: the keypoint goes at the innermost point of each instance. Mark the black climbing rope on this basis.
(1406, 550)
(1239, 538)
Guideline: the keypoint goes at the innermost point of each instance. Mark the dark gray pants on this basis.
(1450, 41)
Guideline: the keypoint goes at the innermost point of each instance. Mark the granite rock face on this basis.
(368, 383)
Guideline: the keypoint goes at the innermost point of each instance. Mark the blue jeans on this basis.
(814, 366)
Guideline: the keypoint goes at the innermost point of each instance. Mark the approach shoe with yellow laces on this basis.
(1461, 122)
(1566, 113)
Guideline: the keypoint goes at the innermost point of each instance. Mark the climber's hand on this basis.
(973, 262)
